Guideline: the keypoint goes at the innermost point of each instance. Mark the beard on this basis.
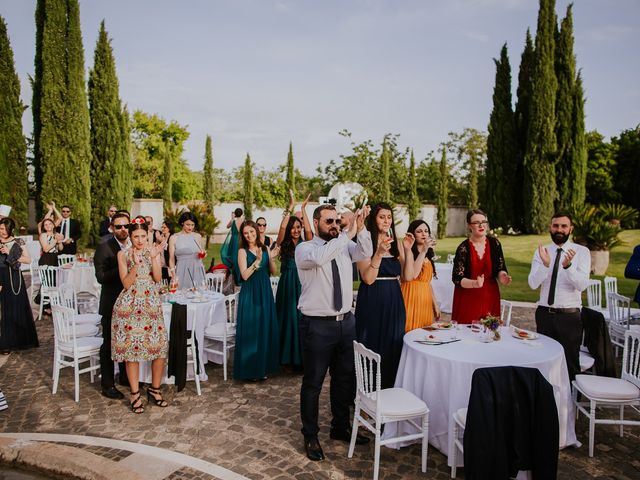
(559, 238)
(329, 234)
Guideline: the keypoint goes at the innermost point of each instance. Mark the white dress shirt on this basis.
(570, 281)
(313, 260)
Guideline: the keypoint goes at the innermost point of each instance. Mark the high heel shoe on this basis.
(136, 403)
(155, 395)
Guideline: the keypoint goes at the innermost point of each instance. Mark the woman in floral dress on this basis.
(138, 331)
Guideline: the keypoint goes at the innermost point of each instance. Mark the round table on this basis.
(441, 376)
(82, 276)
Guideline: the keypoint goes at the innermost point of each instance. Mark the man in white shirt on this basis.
(327, 327)
(562, 270)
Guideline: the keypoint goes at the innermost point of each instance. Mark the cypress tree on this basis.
(413, 206)
(109, 136)
(578, 156)
(540, 154)
(522, 126)
(565, 68)
(14, 188)
(291, 174)
(443, 194)
(207, 186)
(36, 88)
(385, 159)
(248, 188)
(501, 148)
(167, 180)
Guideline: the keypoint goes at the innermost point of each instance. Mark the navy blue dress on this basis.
(380, 318)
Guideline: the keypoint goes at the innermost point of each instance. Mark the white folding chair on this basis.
(619, 316)
(223, 333)
(610, 286)
(612, 392)
(274, 285)
(505, 312)
(67, 298)
(49, 277)
(594, 294)
(384, 406)
(459, 418)
(215, 281)
(192, 358)
(65, 259)
(71, 350)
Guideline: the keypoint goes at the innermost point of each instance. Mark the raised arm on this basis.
(286, 214)
(308, 233)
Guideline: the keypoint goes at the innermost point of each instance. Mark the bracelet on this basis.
(286, 213)
(375, 268)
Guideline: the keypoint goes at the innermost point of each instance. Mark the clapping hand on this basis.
(361, 216)
(156, 249)
(306, 201)
(292, 201)
(543, 253)
(569, 254)
(274, 252)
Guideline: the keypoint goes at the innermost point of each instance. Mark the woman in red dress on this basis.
(478, 266)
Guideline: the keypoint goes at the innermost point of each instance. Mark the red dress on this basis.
(473, 303)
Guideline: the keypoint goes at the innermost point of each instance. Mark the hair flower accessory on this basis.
(138, 221)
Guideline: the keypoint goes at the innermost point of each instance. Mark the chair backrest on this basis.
(63, 325)
(48, 276)
(64, 259)
(231, 304)
(619, 313)
(505, 312)
(274, 285)
(215, 281)
(66, 297)
(368, 378)
(610, 286)
(594, 293)
(631, 357)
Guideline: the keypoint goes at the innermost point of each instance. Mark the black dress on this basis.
(17, 329)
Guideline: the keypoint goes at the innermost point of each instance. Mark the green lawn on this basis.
(518, 251)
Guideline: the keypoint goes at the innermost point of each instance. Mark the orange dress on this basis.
(418, 301)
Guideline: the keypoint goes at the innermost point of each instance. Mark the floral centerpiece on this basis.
(492, 323)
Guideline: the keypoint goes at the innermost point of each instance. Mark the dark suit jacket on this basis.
(105, 261)
(104, 227)
(75, 232)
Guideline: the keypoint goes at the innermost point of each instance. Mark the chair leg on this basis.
(354, 430)
(195, 364)
(621, 419)
(56, 371)
(76, 377)
(425, 441)
(376, 455)
(592, 426)
(41, 308)
(453, 450)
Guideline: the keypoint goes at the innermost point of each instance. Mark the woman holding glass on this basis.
(380, 312)
(186, 252)
(478, 266)
(419, 300)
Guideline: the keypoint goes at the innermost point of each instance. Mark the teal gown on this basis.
(229, 253)
(257, 337)
(288, 314)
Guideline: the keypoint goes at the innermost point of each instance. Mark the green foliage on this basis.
(594, 230)
(167, 180)
(111, 182)
(291, 173)
(577, 155)
(207, 176)
(627, 178)
(470, 150)
(499, 194)
(619, 215)
(413, 205)
(601, 168)
(248, 188)
(540, 153)
(384, 164)
(443, 194)
(13, 148)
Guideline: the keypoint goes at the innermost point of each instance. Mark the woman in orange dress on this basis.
(419, 300)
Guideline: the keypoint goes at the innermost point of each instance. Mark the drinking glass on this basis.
(475, 326)
(454, 330)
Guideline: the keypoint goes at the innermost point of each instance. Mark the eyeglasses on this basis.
(261, 224)
(66, 211)
(330, 221)
(119, 227)
(112, 211)
(484, 222)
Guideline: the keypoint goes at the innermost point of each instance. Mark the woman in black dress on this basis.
(50, 243)
(17, 329)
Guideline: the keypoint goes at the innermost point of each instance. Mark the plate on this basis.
(528, 336)
(442, 325)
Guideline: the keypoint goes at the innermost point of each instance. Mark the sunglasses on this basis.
(120, 227)
(330, 221)
(261, 224)
(66, 211)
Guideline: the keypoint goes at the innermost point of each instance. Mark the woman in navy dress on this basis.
(257, 337)
(380, 311)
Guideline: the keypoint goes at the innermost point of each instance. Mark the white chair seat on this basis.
(461, 416)
(89, 318)
(586, 361)
(607, 388)
(396, 402)
(86, 330)
(216, 330)
(84, 344)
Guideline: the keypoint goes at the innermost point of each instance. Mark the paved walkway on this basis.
(234, 430)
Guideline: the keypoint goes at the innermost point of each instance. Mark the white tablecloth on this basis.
(83, 277)
(199, 316)
(443, 286)
(441, 376)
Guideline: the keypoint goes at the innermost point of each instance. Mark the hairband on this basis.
(138, 221)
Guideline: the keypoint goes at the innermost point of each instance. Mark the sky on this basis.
(258, 74)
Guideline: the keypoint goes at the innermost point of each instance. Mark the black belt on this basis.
(332, 318)
(559, 310)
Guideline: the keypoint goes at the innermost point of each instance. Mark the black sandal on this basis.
(136, 404)
(155, 395)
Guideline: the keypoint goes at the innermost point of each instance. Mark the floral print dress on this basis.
(138, 331)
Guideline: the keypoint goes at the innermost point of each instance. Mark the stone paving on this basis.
(250, 428)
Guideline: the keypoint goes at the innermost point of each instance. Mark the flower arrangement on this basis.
(492, 323)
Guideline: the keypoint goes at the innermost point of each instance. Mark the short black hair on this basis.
(66, 206)
(119, 214)
(123, 212)
(238, 212)
(320, 208)
(187, 216)
(563, 213)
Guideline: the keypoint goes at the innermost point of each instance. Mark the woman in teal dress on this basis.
(229, 250)
(289, 236)
(257, 336)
